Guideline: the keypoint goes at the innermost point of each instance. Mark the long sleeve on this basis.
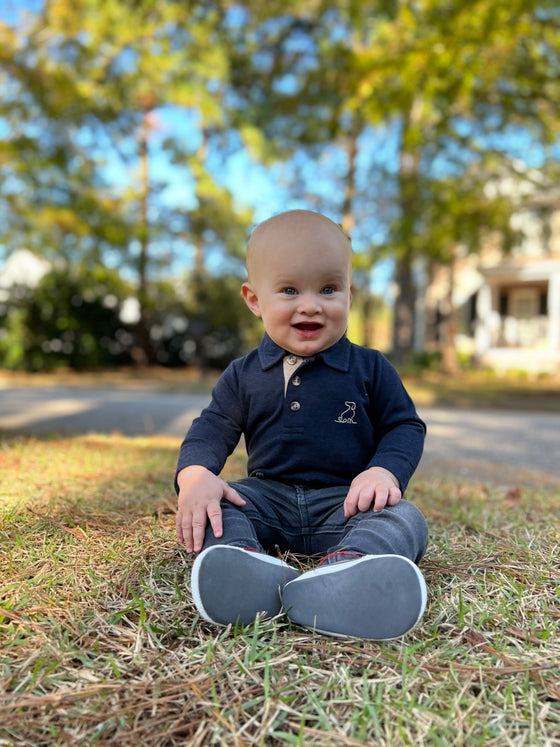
(400, 432)
(216, 432)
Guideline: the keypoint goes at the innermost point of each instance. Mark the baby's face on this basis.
(300, 281)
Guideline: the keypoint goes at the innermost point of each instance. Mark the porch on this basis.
(517, 322)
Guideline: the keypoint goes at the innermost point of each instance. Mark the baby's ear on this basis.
(250, 297)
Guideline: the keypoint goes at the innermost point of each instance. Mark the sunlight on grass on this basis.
(482, 389)
(92, 470)
(101, 643)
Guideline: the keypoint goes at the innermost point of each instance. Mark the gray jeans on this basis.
(310, 521)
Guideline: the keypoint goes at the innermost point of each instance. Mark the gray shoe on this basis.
(378, 597)
(230, 584)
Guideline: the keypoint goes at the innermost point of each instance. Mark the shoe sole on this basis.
(233, 585)
(377, 597)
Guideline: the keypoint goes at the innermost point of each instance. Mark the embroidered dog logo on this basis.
(347, 415)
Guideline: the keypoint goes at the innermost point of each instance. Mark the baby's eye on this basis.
(328, 290)
(289, 291)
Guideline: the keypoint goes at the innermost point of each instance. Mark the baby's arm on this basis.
(375, 487)
(200, 493)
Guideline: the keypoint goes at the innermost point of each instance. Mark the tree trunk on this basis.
(349, 193)
(145, 354)
(367, 321)
(403, 323)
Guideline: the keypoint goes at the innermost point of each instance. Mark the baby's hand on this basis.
(200, 493)
(375, 487)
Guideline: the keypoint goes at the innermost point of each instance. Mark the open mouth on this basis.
(308, 329)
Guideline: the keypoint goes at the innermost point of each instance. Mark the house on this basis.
(22, 268)
(505, 308)
(26, 269)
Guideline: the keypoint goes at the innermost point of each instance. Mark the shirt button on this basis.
(292, 360)
(296, 381)
(295, 406)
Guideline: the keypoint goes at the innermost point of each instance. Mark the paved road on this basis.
(505, 448)
(82, 410)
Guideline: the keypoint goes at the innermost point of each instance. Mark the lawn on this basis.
(101, 644)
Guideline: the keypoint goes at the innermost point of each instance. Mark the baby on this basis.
(332, 439)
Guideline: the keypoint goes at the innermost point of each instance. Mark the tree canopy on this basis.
(120, 118)
(424, 102)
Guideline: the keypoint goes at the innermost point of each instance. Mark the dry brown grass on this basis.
(101, 643)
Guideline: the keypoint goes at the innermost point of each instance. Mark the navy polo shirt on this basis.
(344, 410)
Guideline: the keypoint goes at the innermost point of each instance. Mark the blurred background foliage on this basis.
(79, 319)
(141, 140)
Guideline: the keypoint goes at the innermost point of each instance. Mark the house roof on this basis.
(526, 269)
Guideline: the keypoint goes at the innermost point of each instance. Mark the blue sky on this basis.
(11, 10)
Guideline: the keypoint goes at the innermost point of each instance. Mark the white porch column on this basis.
(554, 312)
(483, 335)
(421, 283)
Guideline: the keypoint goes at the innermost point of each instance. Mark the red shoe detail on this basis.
(338, 554)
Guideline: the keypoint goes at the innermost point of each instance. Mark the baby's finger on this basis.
(178, 527)
(233, 496)
(184, 533)
(366, 497)
(198, 530)
(394, 496)
(381, 497)
(215, 515)
(351, 503)
(386, 497)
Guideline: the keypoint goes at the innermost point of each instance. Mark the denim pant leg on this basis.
(237, 528)
(270, 521)
(395, 530)
(279, 517)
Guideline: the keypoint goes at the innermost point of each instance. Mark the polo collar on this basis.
(337, 356)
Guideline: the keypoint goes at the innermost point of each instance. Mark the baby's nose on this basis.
(309, 304)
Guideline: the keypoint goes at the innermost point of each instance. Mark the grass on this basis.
(101, 644)
(483, 389)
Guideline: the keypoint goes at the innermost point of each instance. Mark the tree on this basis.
(70, 319)
(53, 199)
(446, 88)
(393, 114)
(98, 93)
